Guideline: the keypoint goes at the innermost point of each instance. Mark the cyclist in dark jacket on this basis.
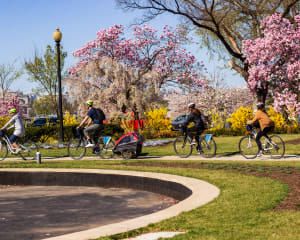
(195, 116)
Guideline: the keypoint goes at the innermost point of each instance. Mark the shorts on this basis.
(13, 138)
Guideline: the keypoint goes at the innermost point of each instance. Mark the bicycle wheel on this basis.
(183, 147)
(106, 148)
(3, 150)
(248, 147)
(76, 148)
(29, 150)
(277, 147)
(208, 147)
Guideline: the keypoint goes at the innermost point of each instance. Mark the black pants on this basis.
(262, 133)
(195, 131)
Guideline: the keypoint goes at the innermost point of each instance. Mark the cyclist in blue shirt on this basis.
(95, 124)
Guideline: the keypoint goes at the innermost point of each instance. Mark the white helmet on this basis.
(192, 105)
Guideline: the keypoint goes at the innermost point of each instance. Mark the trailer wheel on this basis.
(126, 155)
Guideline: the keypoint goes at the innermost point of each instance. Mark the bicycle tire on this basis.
(248, 147)
(277, 151)
(76, 148)
(29, 150)
(3, 150)
(106, 149)
(208, 149)
(182, 146)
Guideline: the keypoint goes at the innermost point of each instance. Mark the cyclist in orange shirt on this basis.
(265, 123)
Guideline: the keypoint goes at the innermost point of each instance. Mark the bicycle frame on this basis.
(6, 140)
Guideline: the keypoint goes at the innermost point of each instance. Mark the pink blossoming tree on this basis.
(274, 61)
(122, 73)
(10, 101)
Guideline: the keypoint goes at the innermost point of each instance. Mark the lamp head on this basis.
(57, 35)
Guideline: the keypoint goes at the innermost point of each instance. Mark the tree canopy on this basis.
(42, 69)
(222, 25)
(129, 73)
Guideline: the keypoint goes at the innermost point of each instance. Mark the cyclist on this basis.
(19, 128)
(195, 116)
(94, 123)
(265, 123)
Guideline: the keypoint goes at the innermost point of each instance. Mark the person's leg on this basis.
(257, 139)
(266, 131)
(87, 134)
(197, 137)
(190, 133)
(13, 138)
(97, 133)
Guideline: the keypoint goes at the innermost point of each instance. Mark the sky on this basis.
(27, 25)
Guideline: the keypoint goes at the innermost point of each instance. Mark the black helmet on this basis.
(192, 105)
(260, 105)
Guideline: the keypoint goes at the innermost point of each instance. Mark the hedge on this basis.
(41, 134)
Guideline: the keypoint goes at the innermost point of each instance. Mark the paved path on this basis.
(192, 158)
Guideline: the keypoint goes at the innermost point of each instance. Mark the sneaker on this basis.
(89, 145)
(260, 154)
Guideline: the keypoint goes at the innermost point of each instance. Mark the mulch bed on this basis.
(293, 141)
(288, 175)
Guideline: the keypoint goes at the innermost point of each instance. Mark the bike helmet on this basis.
(13, 110)
(192, 105)
(249, 127)
(89, 102)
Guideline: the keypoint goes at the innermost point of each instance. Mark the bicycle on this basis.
(28, 148)
(273, 145)
(103, 147)
(207, 147)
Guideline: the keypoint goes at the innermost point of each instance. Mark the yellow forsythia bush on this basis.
(217, 119)
(277, 118)
(3, 120)
(239, 118)
(70, 119)
(156, 120)
(127, 123)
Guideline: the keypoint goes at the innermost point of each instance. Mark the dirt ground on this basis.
(288, 175)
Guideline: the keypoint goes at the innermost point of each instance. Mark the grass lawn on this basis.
(242, 211)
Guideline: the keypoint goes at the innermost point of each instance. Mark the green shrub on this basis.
(41, 134)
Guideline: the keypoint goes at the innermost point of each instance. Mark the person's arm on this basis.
(89, 122)
(83, 121)
(256, 117)
(188, 120)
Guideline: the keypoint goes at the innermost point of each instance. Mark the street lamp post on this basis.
(57, 36)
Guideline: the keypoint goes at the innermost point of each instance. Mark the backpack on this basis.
(100, 114)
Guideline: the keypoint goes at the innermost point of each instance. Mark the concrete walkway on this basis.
(175, 157)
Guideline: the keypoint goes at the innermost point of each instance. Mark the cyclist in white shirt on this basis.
(19, 131)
